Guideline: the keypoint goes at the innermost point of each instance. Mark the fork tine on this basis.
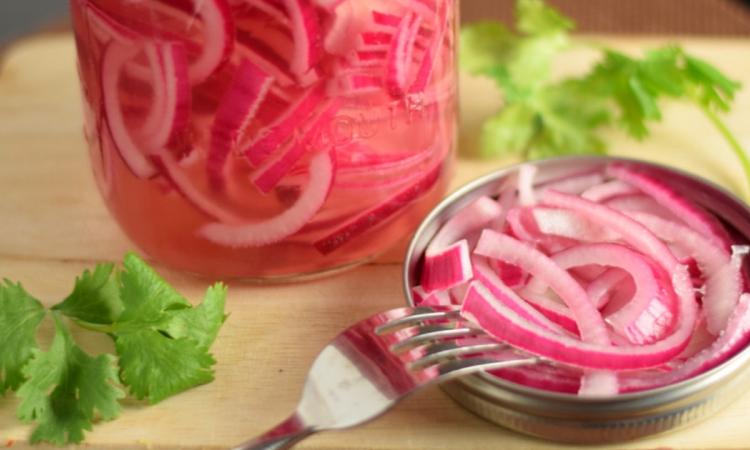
(429, 333)
(416, 317)
(458, 367)
(439, 352)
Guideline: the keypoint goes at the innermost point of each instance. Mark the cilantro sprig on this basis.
(544, 117)
(162, 347)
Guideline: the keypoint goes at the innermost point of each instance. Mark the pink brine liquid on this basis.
(268, 138)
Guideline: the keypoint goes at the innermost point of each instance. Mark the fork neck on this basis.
(282, 436)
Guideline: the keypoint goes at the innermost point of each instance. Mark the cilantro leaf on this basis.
(155, 366)
(144, 294)
(95, 297)
(203, 322)
(511, 131)
(162, 341)
(531, 64)
(65, 390)
(485, 45)
(20, 316)
(536, 17)
(570, 118)
(520, 63)
(637, 85)
(516, 60)
(713, 88)
(543, 34)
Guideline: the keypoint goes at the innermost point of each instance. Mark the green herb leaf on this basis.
(531, 64)
(20, 316)
(636, 85)
(145, 295)
(519, 60)
(162, 341)
(155, 366)
(510, 131)
(66, 390)
(544, 33)
(485, 45)
(713, 88)
(536, 17)
(520, 63)
(202, 323)
(95, 298)
(571, 117)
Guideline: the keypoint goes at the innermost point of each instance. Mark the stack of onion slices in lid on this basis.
(619, 282)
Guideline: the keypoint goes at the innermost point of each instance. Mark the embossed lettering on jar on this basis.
(268, 138)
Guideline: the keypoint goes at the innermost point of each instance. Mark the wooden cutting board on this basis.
(53, 225)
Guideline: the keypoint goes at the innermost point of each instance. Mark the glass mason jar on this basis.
(268, 138)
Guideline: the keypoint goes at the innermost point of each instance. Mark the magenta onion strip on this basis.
(690, 213)
(237, 109)
(447, 262)
(268, 175)
(285, 224)
(275, 135)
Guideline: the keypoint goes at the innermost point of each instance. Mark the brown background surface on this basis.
(709, 17)
(676, 17)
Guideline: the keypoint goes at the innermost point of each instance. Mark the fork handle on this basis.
(282, 436)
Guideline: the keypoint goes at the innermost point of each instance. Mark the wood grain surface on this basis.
(53, 225)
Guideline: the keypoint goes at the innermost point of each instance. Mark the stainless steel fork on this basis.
(377, 362)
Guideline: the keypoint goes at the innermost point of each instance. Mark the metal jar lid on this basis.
(566, 417)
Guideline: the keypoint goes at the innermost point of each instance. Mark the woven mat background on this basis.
(714, 17)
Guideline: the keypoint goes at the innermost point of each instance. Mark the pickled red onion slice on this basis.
(734, 337)
(605, 191)
(722, 286)
(553, 309)
(307, 37)
(640, 203)
(271, 8)
(575, 184)
(116, 56)
(285, 224)
(105, 28)
(600, 289)
(498, 246)
(447, 267)
(170, 113)
(380, 212)
(349, 19)
(218, 38)
(435, 298)
(400, 55)
(238, 107)
(430, 57)
(282, 129)
(270, 173)
(493, 316)
(447, 263)
(170, 168)
(504, 293)
(690, 213)
(648, 315)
